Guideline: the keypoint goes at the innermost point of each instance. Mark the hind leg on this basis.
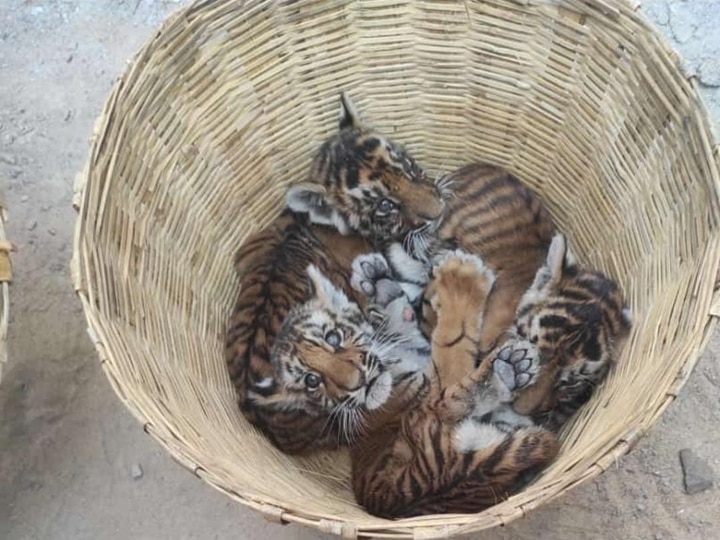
(509, 370)
(458, 295)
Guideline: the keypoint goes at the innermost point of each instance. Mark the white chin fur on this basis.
(379, 392)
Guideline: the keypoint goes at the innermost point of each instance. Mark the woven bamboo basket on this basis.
(223, 108)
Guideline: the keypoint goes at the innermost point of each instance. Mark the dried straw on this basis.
(222, 109)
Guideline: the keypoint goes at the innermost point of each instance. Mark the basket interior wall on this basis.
(226, 108)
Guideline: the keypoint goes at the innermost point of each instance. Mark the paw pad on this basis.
(517, 364)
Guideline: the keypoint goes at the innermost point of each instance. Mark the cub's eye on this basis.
(312, 381)
(333, 338)
(385, 206)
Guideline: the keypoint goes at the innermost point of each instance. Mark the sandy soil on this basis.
(68, 448)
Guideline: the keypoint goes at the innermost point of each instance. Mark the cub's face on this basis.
(324, 361)
(362, 183)
(573, 316)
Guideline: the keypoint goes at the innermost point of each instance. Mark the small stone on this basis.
(45, 207)
(659, 536)
(7, 158)
(52, 232)
(69, 58)
(697, 474)
(31, 226)
(69, 115)
(640, 507)
(24, 198)
(136, 471)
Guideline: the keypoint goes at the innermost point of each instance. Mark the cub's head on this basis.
(574, 316)
(324, 364)
(362, 183)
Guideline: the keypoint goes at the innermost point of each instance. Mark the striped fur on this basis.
(360, 182)
(575, 318)
(437, 453)
(479, 434)
(491, 214)
(353, 373)
(273, 277)
(495, 216)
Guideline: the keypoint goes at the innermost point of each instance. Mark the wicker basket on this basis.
(223, 108)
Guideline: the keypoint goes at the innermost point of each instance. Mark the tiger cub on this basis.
(272, 266)
(576, 319)
(360, 182)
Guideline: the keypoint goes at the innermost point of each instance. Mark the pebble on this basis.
(52, 232)
(24, 198)
(640, 507)
(136, 471)
(31, 226)
(697, 474)
(68, 115)
(7, 158)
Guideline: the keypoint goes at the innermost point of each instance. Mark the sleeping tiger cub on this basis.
(575, 318)
(451, 439)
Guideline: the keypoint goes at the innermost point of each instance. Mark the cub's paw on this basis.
(517, 364)
(371, 276)
(460, 278)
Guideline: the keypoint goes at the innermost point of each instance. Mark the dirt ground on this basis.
(69, 450)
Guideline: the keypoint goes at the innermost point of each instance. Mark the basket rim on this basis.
(442, 526)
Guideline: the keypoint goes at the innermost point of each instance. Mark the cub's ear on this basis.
(307, 198)
(559, 261)
(349, 118)
(322, 289)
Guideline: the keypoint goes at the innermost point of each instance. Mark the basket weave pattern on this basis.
(225, 105)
